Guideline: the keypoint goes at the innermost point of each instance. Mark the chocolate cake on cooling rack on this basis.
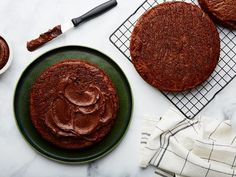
(175, 46)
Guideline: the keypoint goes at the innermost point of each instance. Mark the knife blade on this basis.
(60, 29)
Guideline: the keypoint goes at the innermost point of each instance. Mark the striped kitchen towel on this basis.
(176, 146)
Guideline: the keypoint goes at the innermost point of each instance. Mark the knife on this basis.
(60, 29)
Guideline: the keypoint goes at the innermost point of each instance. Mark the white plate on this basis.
(10, 55)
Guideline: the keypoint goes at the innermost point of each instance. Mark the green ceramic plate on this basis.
(21, 104)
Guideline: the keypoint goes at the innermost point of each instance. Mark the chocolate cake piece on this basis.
(73, 104)
(175, 46)
(221, 11)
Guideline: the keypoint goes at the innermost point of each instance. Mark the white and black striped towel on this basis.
(177, 146)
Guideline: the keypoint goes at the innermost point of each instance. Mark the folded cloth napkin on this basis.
(177, 146)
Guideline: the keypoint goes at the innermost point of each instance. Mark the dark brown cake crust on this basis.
(73, 104)
(221, 11)
(175, 46)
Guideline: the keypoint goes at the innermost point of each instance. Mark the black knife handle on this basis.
(94, 12)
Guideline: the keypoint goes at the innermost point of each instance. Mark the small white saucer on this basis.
(10, 55)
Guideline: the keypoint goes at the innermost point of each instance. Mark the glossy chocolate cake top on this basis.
(73, 104)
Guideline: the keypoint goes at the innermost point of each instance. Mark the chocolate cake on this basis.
(221, 11)
(73, 104)
(175, 46)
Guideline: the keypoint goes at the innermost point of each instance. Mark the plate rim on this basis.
(62, 159)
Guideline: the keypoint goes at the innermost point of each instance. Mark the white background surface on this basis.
(25, 19)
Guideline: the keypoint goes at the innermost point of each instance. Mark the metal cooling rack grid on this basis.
(190, 103)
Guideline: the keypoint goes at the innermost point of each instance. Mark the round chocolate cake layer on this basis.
(221, 11)
(73, 104)
(175, 46)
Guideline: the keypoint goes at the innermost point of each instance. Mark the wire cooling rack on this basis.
(190, 103)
